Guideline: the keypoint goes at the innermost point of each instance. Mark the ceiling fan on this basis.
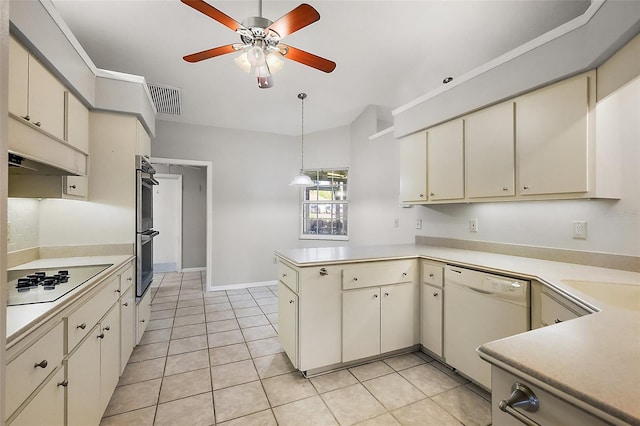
(262, 51)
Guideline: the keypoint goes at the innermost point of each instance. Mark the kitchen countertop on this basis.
(594, 359)
(22, 319)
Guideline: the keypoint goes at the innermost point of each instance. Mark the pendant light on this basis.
(302, 180)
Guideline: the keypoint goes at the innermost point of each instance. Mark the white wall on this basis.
(612, 226)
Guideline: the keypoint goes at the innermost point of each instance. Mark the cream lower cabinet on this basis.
(83, 376)
(127, 327)
(377, 320)
(109, 355)
(431, 307)
(143, 315)
(47, 408)
(288, 321)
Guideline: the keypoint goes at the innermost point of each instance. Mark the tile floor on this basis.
(214, 359)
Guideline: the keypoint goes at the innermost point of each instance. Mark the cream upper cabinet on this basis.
(77, 123)
(143, 141)
(445, 161)
(490, 152)
(18, 79)
(46, 100)
(552, 138)
(413, 168)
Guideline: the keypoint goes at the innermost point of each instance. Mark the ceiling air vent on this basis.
(166, 99)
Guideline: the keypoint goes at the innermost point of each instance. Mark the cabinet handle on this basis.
(375, 296)
(355, 278)
(26, 117)
(404, 274)
(431, 275)
(525, 187)
(558, 320)
(125, 304)
(41, 364)
(386, 294)
(521, 397)
(421, 195)
(107, 328)
(284, 275)
(117, 291)
(323, 271)
(64, 383)
(82, 326)
(130, 279)
(37, 123)
(101, 336)
(504, 188)
(435, 294)
(290, 301)
(72, 186)
(142, 320)
(432, 194)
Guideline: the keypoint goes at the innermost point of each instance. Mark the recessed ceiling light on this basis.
(447, 80)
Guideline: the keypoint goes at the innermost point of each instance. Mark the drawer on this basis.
(23, 376)
(432, 274)
(80, 322)
(378, 273)
(553, 312)
(126, 279)
(288, 276)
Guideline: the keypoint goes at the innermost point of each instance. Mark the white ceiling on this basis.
(387, 53)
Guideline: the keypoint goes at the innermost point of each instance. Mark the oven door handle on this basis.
(147, 177)
(149, 234)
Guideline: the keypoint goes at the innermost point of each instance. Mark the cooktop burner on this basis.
(27, 286)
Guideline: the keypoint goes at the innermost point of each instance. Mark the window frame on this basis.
(304, 201)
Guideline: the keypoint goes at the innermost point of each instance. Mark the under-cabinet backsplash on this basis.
(23, 223)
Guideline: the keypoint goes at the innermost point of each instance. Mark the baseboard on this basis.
(243, 285)
(197, 269)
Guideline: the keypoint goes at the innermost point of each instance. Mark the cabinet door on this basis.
(47, 408)
(445, 161)
(144, 140)
(18, 79)
(46, 99)
(413, 168)
(77, 123)
(398, 317)
(109, 355)
(431, 321)
(288, 322)
(83, 375)
(551, 138)
(127, 327)
(360, 323)
(489, 143)
(143, 315)
(76, 187)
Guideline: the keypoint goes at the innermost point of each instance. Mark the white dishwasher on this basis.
(478, 308)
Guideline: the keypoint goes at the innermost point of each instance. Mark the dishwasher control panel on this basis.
(497, 286)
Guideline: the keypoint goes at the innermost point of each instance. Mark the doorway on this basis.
(167, 218)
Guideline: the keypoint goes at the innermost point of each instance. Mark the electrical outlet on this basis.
(396, 223)
(275, 260)
(580, 230)
(418, 223)
(473, 225)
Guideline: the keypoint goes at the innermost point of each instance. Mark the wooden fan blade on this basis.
(310, 59)
(210, 53)
(298, 18)
(214, 13)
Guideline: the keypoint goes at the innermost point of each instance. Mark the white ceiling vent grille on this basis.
(166, 99)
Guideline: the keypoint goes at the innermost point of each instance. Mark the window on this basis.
(325, 205)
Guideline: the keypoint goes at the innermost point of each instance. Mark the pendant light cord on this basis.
(302, 97)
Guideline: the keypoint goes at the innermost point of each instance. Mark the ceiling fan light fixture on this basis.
(255, 55)
(243, 62)
(274, 62)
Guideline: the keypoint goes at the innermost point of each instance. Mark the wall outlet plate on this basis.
(418, 223)
(580, 230)
(473, 225)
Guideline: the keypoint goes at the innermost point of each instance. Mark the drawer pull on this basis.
(404, 274)
(355, 278)
(130, 279)
(142, 320)
(117, 291)
(504, 188)
(37, 123)
(72, 187)
(41, 364)
(107, 328)
(26, 117)
(284, 275)
(323, 272)
(82, 326)
(431, 275)
(386, 294)
(375, 296)
(125, 304)
(557, 321)
(421, 195)
(101, 336)
(435, 294)
(64, 383)
(290, 301)
(525, 187)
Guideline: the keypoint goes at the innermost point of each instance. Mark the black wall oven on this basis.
(145, 233)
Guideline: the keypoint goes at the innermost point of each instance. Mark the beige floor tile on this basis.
(383, 420)
(352, 404)
(185, 384)
(145, 352)
(186, 362)
(165, 299)
(235, 373)
(267, 300)
(219, 316)
(393, 391)
(428, 379)
(141, 371)
(188, 331)
(217, 307)
(264, 347)
(237, 291)
(167, 292)
(424, 413)
(194, 411)
(190, 296)
(312, 410)
(238, 297)
(273, 365)
(216, 293)
(159, 324)
(402, 362)
(193, 310)
(163, 306)
(273, 318)
(258, 289)
(225, 338)
(269, 309)
(155, 336)
(188, 320)
(168, 313)
(262, 418)
(449, 372)
(465, 405)
(193, 287)
(287, 388)
(371, 370)
(238, 401)
(224, 325)
(238, 304)
(332, 381)
(188, 344)
(215, 300)
(247, 312)
(253, 321)
(134, 396)
(190, 303)
(141, 417)
(486, 395)
(259, 332)
(227, 354)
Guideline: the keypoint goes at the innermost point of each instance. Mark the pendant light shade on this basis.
(302, 180)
